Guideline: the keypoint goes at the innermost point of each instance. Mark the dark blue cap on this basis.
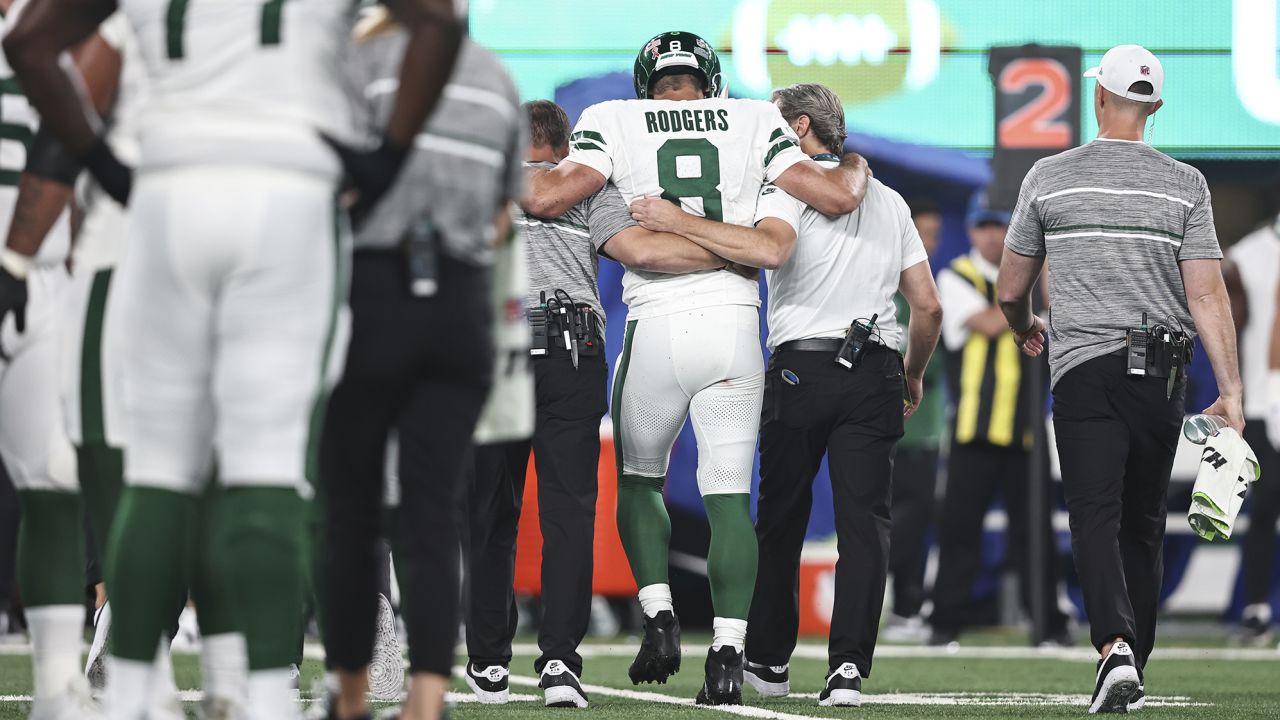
(981, 212)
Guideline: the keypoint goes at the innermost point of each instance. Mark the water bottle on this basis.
(1199, 428)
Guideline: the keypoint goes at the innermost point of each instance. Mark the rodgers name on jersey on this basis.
(711, 156)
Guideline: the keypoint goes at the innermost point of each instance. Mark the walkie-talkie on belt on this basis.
(856, 342)
(538, 324)
(1138, 342)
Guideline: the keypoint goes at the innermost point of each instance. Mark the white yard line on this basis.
(739, 710)
(1000, 699)
(194, 696)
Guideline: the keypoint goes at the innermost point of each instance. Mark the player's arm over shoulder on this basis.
(583, 173)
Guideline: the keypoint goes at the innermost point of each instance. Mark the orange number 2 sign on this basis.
(1039, 123)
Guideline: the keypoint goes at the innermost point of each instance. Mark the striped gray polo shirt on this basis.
(468, 160)
(1113, 218)
(563, 253)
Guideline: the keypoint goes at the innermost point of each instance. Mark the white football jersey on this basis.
(243, 81)
(712, 155)
(18, 125)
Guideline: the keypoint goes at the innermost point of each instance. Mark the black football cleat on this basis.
(659, 656)
(723, 685)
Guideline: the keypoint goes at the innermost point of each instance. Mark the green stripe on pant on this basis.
(643, 523)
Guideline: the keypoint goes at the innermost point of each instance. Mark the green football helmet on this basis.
(677, 49)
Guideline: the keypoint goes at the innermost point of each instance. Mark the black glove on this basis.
(13, 298)
(115, 177)
(369, 172)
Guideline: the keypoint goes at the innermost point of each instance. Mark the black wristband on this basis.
(48, 158)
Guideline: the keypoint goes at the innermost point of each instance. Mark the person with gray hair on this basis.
(831, 389)
(821, 106)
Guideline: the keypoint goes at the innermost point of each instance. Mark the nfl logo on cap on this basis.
(1124, 65)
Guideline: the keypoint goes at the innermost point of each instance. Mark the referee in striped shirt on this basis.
(1126, 230)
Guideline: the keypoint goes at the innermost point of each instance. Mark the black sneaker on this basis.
(659, 656)
(844, 687)
(768, 680)
(1117, 681)
(723, 684)
(489, 683)
(560, 687)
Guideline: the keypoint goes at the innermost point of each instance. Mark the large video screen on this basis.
(916, 70)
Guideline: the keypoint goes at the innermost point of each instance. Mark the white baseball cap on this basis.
(1124, 65)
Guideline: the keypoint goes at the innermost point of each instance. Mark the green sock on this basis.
(101, 469)
(732, 557)
(645, 527)
(50, 548)
(214, 601)
(257, 550)
(147, 566)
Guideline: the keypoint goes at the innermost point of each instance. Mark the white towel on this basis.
(1227, 468)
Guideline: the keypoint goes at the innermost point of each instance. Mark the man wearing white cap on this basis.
(1128, 233)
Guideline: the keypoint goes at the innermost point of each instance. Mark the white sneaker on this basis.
(490, 683)
(95, 668)
(386, 668)
(74, 703)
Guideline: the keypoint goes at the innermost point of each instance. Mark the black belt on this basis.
(831, 345)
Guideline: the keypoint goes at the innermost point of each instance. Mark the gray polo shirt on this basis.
(1113, 218)
(563, 253)
(467, 161)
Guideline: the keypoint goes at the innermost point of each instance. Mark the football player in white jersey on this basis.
(227, 300)
(692, 345)
(33, 288)
(113, 76)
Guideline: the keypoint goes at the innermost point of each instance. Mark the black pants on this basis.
(1264, 509)
(1116, 440)
(422, 366)
(975, 472)
(566, 450)
(855, 418)
(915, 480)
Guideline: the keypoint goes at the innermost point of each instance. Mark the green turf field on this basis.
(981, 681)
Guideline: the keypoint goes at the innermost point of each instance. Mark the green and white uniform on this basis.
(693, 340)
(224, 314)
(692, 345)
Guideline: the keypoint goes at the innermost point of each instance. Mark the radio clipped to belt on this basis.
(862, 334)
(559, 322)
(421, 245)
(1159, 351)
